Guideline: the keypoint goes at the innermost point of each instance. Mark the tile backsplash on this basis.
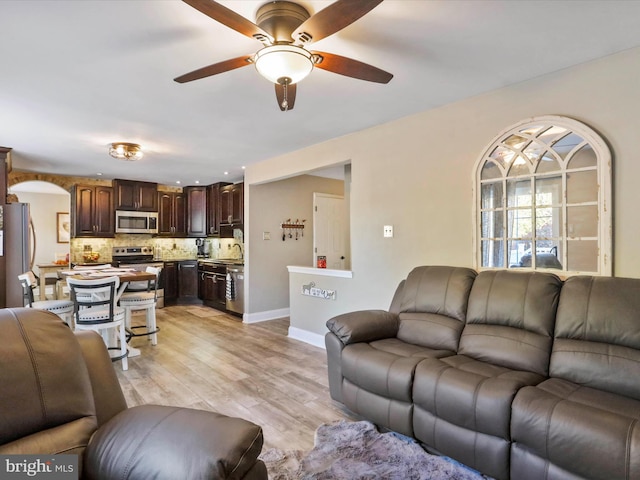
(169, 248)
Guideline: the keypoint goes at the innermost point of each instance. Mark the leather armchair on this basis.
(59, 394)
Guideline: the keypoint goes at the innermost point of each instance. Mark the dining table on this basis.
(43, 270)
(126, 275)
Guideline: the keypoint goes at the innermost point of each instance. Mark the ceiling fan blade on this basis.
(231, 19)
(216, 68)
(335, 17)
(291, 96)
(351, 68)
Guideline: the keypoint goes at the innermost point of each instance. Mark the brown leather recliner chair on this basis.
(59, 395)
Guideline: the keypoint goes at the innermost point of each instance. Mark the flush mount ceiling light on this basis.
(286, 29)
(126, 151)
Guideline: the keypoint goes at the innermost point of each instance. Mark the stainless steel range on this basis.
(138, 258)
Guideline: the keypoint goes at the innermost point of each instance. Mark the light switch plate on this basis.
(388, 231)
(266, 235)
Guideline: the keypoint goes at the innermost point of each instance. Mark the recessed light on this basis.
(99, 174)
(177, 181)
(226, 173)
(243, 167)
(197, 181)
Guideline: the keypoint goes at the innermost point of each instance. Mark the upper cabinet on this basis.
(93, 213)
(196, 211)
(232, 204)
(213, 208)
(172, 214)
(134, 195)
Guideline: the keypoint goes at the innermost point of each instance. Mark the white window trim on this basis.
(603, 155)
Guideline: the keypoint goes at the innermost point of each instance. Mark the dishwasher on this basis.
(235, 289)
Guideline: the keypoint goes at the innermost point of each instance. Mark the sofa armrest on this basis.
(364, 326)
(107, 394)
(168, 443)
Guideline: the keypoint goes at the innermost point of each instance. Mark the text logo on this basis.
(50, 467)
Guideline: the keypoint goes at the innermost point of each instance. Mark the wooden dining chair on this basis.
(94, 308)
(62, 308)
(143, 300)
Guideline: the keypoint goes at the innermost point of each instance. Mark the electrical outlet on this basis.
(388, 231)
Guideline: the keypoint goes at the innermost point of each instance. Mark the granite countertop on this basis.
(222, 261)
(183, 259)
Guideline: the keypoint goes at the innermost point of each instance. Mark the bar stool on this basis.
(143, 300)
(62, 308)
(94, 308)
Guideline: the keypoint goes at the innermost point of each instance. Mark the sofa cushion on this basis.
(510, 319)
(462, 409)
(591, 433)
(597, 334)
(404, 349)
(432, 306)
(469, 393)
(385, 367)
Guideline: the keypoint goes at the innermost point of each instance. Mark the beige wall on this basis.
(270, 205)
(416, 173)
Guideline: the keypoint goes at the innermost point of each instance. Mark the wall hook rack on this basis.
(292, 229)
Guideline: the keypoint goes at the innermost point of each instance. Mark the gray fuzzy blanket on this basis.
(356, 450)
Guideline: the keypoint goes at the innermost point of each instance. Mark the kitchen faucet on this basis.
(239, 248)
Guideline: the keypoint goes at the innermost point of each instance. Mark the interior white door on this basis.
(329, 230)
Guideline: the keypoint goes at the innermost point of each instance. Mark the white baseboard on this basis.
(264, 316)
(314, 339)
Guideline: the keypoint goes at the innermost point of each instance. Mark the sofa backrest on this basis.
(432, 306)
(46, 398)
(510, 319)
(597, 334)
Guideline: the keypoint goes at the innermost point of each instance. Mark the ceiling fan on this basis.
(286, 28)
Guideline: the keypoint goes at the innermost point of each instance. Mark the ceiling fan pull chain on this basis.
(285, 99)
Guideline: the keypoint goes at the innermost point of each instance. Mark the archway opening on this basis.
(49, 207)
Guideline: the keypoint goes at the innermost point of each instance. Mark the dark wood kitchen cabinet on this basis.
(92, 211)
(213, 208)
(232, 204)
(170, 278)
(188, 281)
(196, 211)
(180, 282)
(172, 209)
(136, 196)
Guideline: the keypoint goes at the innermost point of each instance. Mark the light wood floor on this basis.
(212, 361)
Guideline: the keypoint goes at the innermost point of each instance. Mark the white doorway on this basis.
(330, 231)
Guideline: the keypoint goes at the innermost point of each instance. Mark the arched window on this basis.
(543, 199)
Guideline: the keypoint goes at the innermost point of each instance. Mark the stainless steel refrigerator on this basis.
(17, 249)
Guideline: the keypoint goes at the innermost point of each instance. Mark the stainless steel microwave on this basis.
(136, 222)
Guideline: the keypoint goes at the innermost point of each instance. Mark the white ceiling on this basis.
(77, 75)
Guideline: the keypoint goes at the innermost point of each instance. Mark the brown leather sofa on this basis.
(60, 395)
(516, 374)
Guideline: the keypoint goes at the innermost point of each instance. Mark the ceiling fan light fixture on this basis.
(284, 61)
(126, 151)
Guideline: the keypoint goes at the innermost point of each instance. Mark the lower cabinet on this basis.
(181, 282)
(188, 281)
(212, 285)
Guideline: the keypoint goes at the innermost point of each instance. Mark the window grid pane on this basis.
(543, 210)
